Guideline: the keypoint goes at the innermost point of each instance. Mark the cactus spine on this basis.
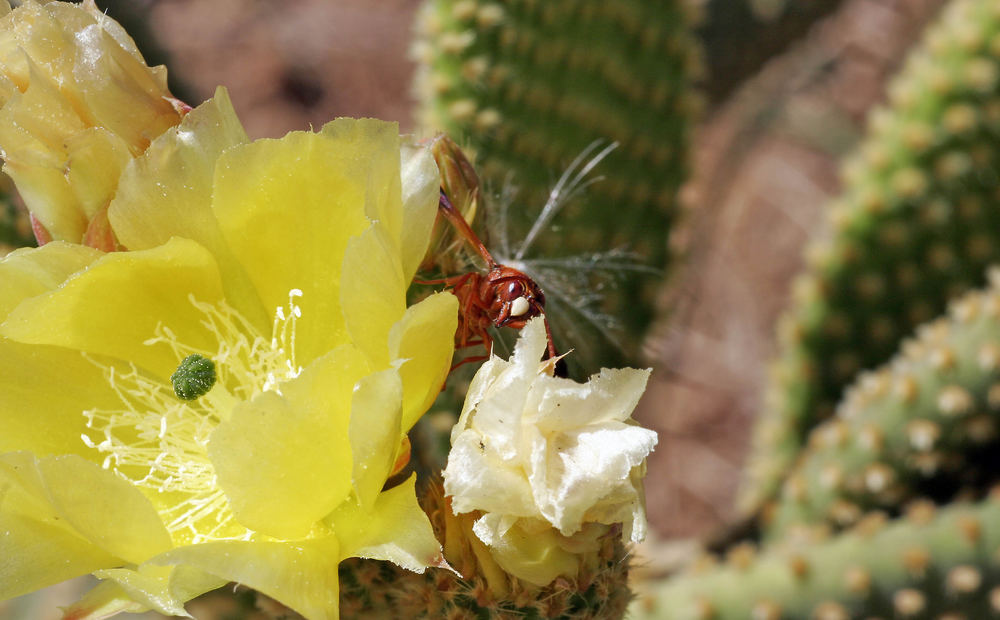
(528, 85)
(915, 226)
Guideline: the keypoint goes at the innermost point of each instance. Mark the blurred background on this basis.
(773, 93)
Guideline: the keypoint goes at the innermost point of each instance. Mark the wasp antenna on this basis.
(566, 187)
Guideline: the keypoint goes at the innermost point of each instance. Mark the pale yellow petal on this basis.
(95, 160)
(526, 548)
(284, 461)
(425, 339)
(38, 416)
(112, 80)
(37, 554)
(375, 145)
(287, 209)
(167, 192)
(82, 493)
(55, 521)
(34, 154)
(376, 408)
(103, 601)
(396, 529)
(163, 588)
(421, 187)
(113, 307)
(302, 575)
(372, 292)
(32, 271)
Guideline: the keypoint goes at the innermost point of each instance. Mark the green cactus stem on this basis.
(926, 419)
(917, 224)
(928, 564)
(528, 85)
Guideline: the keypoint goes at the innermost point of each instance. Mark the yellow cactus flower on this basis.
(78, 102)
(225, 401)
(548, 463)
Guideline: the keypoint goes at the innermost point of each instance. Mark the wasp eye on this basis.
(519, 307)
(515, 289)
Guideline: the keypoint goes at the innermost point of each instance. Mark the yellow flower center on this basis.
(159, 442)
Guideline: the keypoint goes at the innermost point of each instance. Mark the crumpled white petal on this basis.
(532, 447)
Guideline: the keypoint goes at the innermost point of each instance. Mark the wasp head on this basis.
(516, 297)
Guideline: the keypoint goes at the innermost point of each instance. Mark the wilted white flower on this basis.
(547, 459)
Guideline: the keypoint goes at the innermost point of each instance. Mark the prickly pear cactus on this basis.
(925, 422)
(530, 86)
(929, 564)
(917, 224)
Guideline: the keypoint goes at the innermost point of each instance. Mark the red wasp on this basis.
(502, 297)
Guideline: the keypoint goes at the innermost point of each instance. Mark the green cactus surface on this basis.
(925, 421)
(916, 225)
(929, 564)
(527, 86)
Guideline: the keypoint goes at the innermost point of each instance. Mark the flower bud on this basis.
(460, 184)
(78, 103)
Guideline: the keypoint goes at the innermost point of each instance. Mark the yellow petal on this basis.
(117, 304)
(284, 461)
(35, 158)
(68, 73)
(112, 79)
(95, 159)
(372, 292)
(421, 186)
(82, 493)
(425, 338)
(302, 575)
(167, 192)
(302, 197)
(79, 493)
(163, 588)
(31, 271)
(38, 416)
(55, 521)
(375, 414)
(396, 529)
(526, 548)
(374, 144)
(38, 554)
(103, 601)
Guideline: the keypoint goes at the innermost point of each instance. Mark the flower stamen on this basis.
(160, 442)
